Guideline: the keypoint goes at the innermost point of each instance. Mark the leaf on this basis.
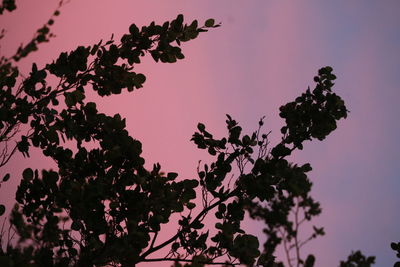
(190, 205)
(27, 174)
(209, 23)
(34, 68)
(79, 95)
(6, 177)
(201, 127)
(75, 226)
(196, 225)
(280, 151)
(202, 174)
(72, 252)
(52, 136)
(139, 80)
(309, 261)
(133, 29)
(222, 208)
(113, 205)
(203, 238)
(175, 246)
(179, 19)
(172, 175)
(2, 209)
(306, 167)
(69, 99)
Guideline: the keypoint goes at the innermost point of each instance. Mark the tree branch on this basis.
(154, 239)
(203, 212)
(185, 260)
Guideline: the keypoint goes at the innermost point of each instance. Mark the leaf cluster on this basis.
(101, 206)
(357, 259)
(8, 5)
(396, 247)
(271, 189)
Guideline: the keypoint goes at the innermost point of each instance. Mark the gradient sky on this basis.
(264, 55)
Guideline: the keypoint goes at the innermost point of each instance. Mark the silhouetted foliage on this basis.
(396, 247)
(103, 207)
(357, 259)
(8, 5)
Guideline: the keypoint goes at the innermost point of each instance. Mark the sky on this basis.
(264, 55)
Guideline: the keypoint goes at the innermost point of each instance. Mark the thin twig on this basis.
(285, 246)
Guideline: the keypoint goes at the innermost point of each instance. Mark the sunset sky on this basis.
(264, 55)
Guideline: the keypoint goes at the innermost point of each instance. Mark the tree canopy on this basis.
(102, 207)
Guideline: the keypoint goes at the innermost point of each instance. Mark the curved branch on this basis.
(201, 214)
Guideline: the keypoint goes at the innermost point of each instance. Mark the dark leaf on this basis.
(27, 174)
(6, 177)
(209, 23)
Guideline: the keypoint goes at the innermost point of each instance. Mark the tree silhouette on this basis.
(102, 207)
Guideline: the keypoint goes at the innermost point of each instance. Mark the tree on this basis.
(103, 207)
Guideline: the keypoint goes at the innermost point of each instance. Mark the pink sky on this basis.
(265, 54)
